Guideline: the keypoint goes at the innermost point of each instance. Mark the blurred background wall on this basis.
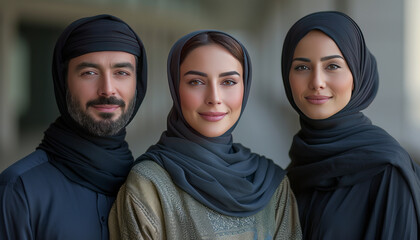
(29, 29)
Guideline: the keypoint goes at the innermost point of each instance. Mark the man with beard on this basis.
(66, 187)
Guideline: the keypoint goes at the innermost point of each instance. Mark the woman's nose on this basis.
(317, 80)
(213, 94)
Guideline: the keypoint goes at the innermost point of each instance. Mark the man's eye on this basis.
(87, 73)
(123, 73)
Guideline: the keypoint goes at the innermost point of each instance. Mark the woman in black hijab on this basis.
(195, 183)
(351, 179)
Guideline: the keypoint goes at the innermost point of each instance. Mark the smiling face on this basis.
(211, 90)
(101, 90)
(319, 77)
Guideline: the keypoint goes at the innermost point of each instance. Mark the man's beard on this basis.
(106, 126)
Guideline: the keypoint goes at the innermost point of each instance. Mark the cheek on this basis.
(295, 87)
(347, 88)
(235, 99)
(129, 89)
(73, 85)
(190, 100)
(81, 92)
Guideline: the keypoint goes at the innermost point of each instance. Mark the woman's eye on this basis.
(228, 82)
(301, 68)
(195, 82)
(333, 67)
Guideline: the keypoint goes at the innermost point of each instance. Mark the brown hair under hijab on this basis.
(208, 38)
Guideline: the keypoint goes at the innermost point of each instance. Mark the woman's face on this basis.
(211, 90)
(319, 77)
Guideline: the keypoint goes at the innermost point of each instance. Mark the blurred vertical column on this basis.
(8, 123)
(412, 77)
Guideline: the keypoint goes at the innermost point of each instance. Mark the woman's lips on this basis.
(317, 99)
(106, 108)
(213, 116)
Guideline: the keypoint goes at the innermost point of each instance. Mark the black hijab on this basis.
(345, 148)
(98, 163)
(224, 176)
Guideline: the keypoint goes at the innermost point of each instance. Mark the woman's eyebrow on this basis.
(301, 59)
(229, 74)
(192, 72)
(331, 57)
(322, 59)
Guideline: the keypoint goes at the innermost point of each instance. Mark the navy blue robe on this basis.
(39, 202)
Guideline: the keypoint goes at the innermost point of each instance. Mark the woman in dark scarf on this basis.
(351, 179)
(195, 183)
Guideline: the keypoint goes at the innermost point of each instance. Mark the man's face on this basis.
(101, 91)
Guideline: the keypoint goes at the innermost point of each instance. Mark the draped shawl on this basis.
(224, 176)
(98, 163)
(346, 148)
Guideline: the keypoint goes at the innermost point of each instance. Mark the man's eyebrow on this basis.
(192, 72)
(124, 65)
(82, 65)
(229, 74)
(331, 57)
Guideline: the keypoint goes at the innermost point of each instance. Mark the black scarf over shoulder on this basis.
(98, 163)
(224, 176)
(346, 148)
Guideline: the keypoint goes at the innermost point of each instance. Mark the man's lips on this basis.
(213, 116)
(317, 99)
(106, 107)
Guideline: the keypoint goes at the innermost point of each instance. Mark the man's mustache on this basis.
(106, 101)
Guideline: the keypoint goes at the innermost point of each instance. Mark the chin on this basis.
(106, 116)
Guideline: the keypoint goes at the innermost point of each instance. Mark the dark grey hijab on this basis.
(224, 176)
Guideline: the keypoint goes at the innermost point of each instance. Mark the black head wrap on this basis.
(98, 163)
(345, 148)
(349, 39)
(226, 177)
